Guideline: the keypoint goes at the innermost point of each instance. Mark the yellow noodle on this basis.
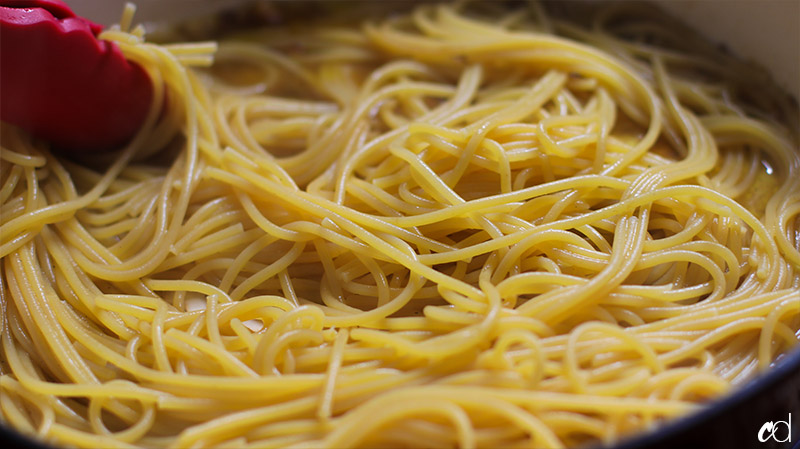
(469, 225)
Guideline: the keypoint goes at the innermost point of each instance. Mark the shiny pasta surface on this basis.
(467, 225)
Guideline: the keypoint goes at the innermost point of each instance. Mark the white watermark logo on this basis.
(775, 431)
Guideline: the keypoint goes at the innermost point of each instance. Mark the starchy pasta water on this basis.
(446, 225)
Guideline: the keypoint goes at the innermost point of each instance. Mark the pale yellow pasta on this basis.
(453, 225)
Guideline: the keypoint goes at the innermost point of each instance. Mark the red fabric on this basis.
(62, 84)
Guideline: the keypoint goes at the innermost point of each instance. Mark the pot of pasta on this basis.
(397, 224)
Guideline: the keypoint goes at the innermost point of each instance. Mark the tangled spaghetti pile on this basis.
(458, 226)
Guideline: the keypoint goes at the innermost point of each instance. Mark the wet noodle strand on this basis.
(456, 226)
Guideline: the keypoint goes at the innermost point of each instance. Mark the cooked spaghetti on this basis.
(461, 225)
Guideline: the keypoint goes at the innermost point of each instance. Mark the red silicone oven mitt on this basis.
(61, 83)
